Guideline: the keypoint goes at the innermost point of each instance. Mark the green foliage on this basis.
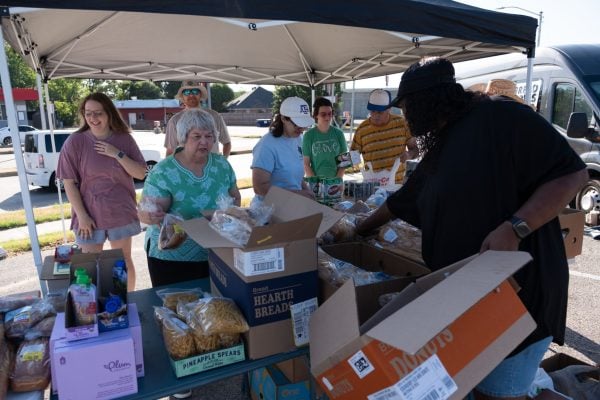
(21, 75)
(169, 88)
(66, 94)
(111, 88)
(283, 92)
(142, 90)
(220, 95)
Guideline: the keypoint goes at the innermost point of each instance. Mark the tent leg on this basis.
(25, 195)
(38, 81)
(352, 110)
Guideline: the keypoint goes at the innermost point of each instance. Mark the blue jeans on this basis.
(513, 376)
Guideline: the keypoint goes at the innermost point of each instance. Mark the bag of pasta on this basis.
(214, 315)
(178, 338)
(32, 366)
(171, 296)
(160, 313)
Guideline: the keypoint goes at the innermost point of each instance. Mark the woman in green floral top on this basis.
(185, 184)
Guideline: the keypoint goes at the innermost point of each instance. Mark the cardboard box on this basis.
(275, 271)
(135, 329)
(371, 258)
(270, 383)
(572, 223)
(559, 361)
(102, 367)
(443, 333)
(205, 361)
(99, 267)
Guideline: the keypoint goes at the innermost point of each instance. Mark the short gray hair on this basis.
(195, 118)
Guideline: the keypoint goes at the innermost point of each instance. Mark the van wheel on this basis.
(52, 183)
(149, 166)
(7, 141)
(588, 198)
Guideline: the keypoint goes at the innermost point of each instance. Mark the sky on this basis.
(572, 21)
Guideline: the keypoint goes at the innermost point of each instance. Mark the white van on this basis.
(565, 90)
(41, 161)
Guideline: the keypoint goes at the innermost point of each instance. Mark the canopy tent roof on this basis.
(307, 42)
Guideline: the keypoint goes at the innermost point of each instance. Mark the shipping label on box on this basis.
(266, 301)
(259, 262)
(467, 316)
(301, 313)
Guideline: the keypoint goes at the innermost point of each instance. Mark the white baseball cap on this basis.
(297, 110)
(379, 100)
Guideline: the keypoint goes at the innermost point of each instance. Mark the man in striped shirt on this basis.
(384, 137)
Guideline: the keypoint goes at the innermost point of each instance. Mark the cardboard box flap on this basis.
(199, 230)
(303, 228)
(436, 309)
(290, 206)
(334, 333)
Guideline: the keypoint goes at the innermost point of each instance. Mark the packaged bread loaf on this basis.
(171, 233)
(32, 366)
(17, 322)
(6, 365)
(14, 301)
(41, 329)
(178, 338)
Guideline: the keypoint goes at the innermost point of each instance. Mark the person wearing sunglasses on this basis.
(322, 143)
(191, 94)
(277, 157)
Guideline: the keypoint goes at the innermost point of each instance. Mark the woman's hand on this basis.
(106, 149)
(501, 238)
(86, 226)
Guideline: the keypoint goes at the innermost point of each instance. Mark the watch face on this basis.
(522, 229)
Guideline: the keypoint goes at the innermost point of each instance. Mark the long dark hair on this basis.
(276, 127)
(115, 120)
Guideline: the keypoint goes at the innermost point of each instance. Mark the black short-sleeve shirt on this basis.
(491, 162)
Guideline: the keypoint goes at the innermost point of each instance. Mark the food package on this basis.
(215, 315)
(402, 238)
(205, 343)
(228, 339)
(337, 272)
(160, 313)
(7, 359)
(236, 223)
(41, 329)
(344, 230)
(32, 366)
(178, 338)
(171, 233)
(17, 322)
(14, 301)
(171, 296)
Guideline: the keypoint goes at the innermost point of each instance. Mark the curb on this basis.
(8, 172)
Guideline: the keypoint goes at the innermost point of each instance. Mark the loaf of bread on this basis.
(32, 366)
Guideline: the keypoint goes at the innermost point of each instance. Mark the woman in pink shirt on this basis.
(97, 165)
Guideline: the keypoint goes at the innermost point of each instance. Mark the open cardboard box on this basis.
(443, 333)
(571, 224)
(275, 272)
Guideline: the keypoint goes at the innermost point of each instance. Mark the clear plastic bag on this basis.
(337, 272)
(18, 322)
(236, 223)
(216, 315)
(32, 366)
(171, 233)
(178, 338)
(41, 329)
(171, 296)
(161, 313)
(14, 301)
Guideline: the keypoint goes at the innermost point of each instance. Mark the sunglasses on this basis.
(187, 92)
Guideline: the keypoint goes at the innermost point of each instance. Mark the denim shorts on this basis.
(99, 236)
(514, 376)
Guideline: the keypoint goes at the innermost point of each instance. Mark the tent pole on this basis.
(209, 101)
(529, 78)
(312, 98)
(58, 185)
(11, 115)
(38, 81)
(352, 109)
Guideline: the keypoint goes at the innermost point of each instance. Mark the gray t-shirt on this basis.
(171, 130)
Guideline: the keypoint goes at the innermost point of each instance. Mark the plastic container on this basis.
(83, 294)
(119, 277)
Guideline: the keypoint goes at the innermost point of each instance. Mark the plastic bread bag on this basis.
(171, 296)
(147, 204)
(17, 322)
(32, 366)
(215, 315)
(7, 359)
(377, 199)
(41, 329)
(337, 272)
(161, 313)
(14, 301)
(344, 230)
(234, 224)
(178, 338)
(171, 233)
(261, 212)
(58, 300)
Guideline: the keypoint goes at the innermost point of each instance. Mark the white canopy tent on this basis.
(247, 41)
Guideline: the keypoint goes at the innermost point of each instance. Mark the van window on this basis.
(59, 140)
(31, 143)
(568, 99)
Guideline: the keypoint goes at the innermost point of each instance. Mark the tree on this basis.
(283, 92)
(66, 94)
(220, 95)
(111, 88)
(141, 90)
(21, 75)
(169, 88)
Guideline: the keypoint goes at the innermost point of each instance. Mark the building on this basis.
(20, 96)
(141, 114)
(249, 107)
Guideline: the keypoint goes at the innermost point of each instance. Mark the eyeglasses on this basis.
(187, 92)
(325, 114)
(292, 122)
(95, 114)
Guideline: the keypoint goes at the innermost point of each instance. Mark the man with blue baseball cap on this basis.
(384, 137)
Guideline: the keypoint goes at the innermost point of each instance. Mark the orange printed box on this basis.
(439, 337)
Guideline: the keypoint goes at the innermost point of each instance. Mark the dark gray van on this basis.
(566, 91)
